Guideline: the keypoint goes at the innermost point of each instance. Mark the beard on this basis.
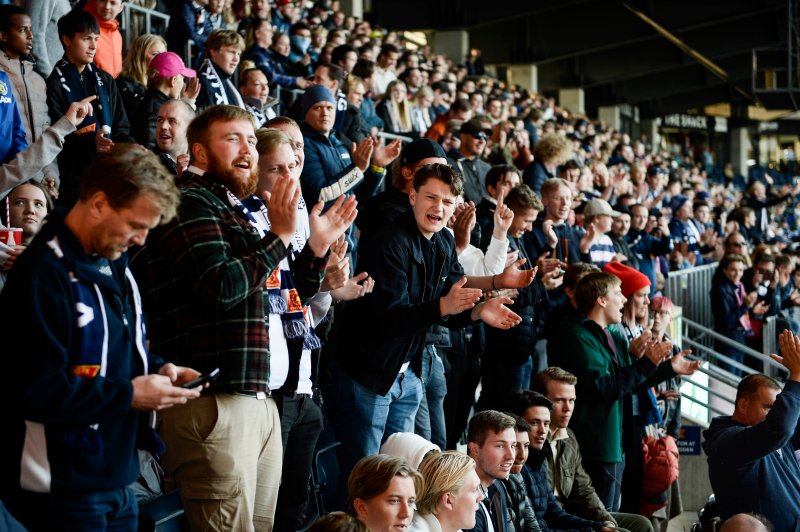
(241, 188)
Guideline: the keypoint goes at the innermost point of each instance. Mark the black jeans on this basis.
(606, 479)
(301, 425)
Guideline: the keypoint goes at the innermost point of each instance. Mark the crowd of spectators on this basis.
(356, 232)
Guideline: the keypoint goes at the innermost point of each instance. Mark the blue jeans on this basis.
(366, 419)
(429, 422)
(114, 510)
(499, 379)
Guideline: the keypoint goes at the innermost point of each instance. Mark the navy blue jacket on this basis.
(329, 170)
(78, 413)
(536, 243)
(507, 520)
(274, 69)
(754, 469)
(646, 246)
(549, 513)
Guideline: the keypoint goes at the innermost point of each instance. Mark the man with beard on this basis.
(171, 145)
(208, 273)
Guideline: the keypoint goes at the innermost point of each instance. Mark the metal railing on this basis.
(689, 289)
(138, 20)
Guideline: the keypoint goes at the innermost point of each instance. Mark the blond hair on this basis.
(136, 63)
(443, 473)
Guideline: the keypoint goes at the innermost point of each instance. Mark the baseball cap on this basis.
(169, 65)
(598, 207)
(420, 149)
(475, 128)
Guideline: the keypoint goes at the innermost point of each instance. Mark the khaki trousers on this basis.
(224, 452)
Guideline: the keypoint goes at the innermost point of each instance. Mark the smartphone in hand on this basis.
(202, 380)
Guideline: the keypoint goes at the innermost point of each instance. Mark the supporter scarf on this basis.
(91, 360)
(282, 296)
(73, 88)
(218, 95)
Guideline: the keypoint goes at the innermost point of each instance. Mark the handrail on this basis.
(392, 136)
(149, 14)
(724, 339)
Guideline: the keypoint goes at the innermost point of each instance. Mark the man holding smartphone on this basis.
(75, 396)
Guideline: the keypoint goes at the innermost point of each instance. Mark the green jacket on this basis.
(605, 383)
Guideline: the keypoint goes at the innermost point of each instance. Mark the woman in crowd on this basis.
(395, 109)
(382, 492)
(730, 306)
(451, 495)
(421, 111)
(132, 82)
(28, 204)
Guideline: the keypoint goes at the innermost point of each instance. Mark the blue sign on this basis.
(689, 440)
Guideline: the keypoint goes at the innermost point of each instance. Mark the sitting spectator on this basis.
(376, 479)
(353, 126)
(491, 442)
(109, 46)
(16, 38)
(28, 204)
(167, 74)
(260, 50)
(172, 147)
(500, 180)
(421, 120)
(365, 69)
(217, 86)
(571, 485)
(452, 491)
(299, 43)
(338, 522)
(74, 78)
(132, 82)
(534, 409)
(384, 69)
(283, 15)
(254, 88)
(461, 110)
(519, 504)
(395, 109)
(332, 78)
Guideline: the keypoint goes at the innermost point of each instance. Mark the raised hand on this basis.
(328, 227)
(550, 233)
(682, 365)
(337, 270)
(77, 111)
(384, 155)
(790, 349)
(282, 207)
(459, 299)
(362, 153)
(503, 217)
(513, 277)
(495, 313)
(191, 90)
(463, 225)
(50, 185)
(355, 287)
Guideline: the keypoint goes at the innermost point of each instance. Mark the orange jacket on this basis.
(109, 47)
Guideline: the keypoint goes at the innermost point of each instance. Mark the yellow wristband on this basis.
(377, 169)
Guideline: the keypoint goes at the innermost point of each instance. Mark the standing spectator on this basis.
(217, 86)
(16, 42)
(132, 82)
(384, 69)
(469, 162)
(686, 237)
(283, 15)
(167, 75)
(81, 391)
(259, 41)
(172, 147)
(189, 21)
(551, 151)
(109, 45)
(207, 279)
(552, 235)
(751, 454)
(500, 180)
(646, 246)
(619, 230)
(596, 245)
(45, 15)
(74, 78)
(12, 138)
